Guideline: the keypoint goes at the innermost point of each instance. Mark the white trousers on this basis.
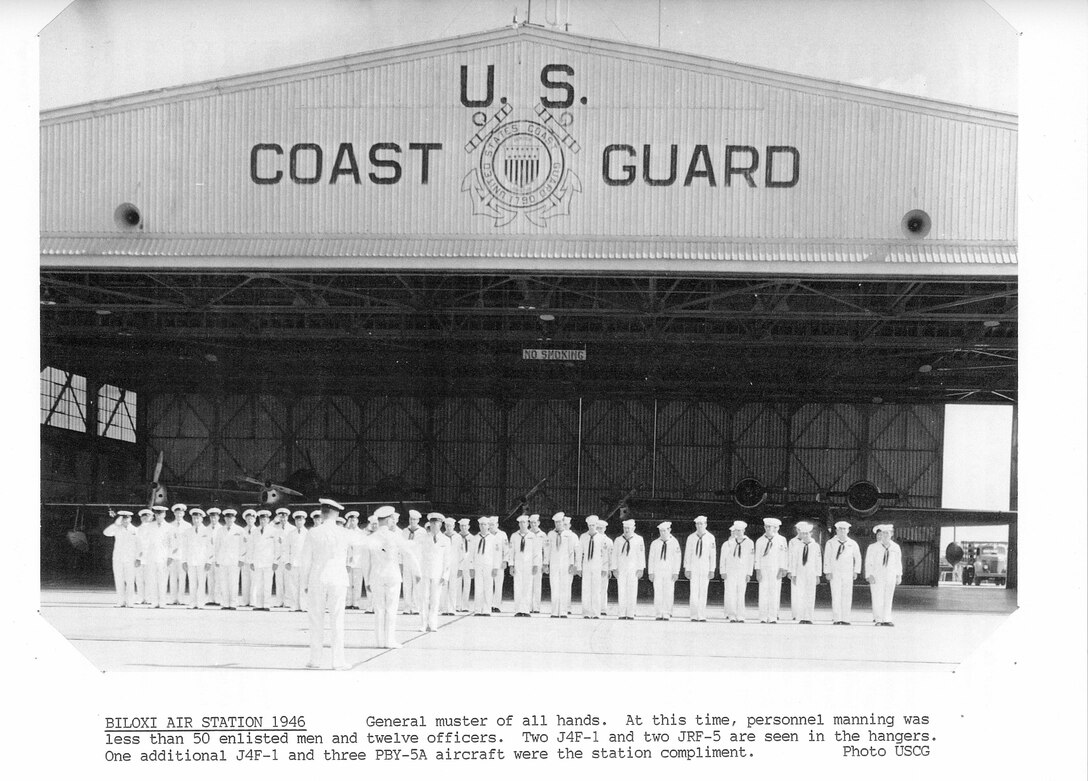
(523, 589)
(246, 597)
(356, 588)
(227, 578)
(278, 586)
(326, 598)
(697, 587)
(803, 597)
(124, 581)
(211, 579)
(175, 581)
(496, 588)
(842, 595)
(197, 580)
(770, 597)
(154, 582)
(604, 594)
(664, 588)
(627, 591)
(484, 597)
(138, 583)
(260, 581)
(733, 596)
(560, 582)
(291, 589)
(535, 601)
(410, 597)
(430, 595)
(882, 590)
(384, 597)
(591, 592)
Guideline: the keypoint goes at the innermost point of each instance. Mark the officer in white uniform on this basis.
(465, 543)
(124, 557)
(390, 555)
(263, 542)
(503, 548)
(842, 566)
(486, 560)
(700, 558)
(805, 568)
(251, 533)
(526, 560)
(178, 528)
(293, 537)
(663, 566)
(884, 571)
(561, 563)
(280, 523)
(196, 557)
(628, 562)
(736, 566)
(596, 562)
(153, 553)
(538, 578)
(324, 578)
(772, 564)
(143, 518)
(228, 559)
(434, 565)
(218, 526)
(357, 555)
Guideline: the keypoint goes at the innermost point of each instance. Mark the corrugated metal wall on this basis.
(486, 452)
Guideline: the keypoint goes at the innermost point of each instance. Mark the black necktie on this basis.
(663, 551)
(411, 534)
(523, 543)
(590, 556)
(626, 546)
(768, 548)
(841, 546)
(481, 548)
(737, 549)
(699, 547)
(887, 550)
(804, 556)
(436, 539)
(466, 543)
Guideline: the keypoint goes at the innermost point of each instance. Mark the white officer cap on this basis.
(263, 513)
(315, 514)
(559, 516)
(145, 513)
(230, 511)
(700, 519)
(415, 514)
(179, 506)
(665, 525)
(803, 526)
(523, 519)
(842, 525)
(534, 517)
(385, 511)
(772, 522)
(351, 514)
(250, 513)
(214, 511)
(332, 503)
(126, 513)
(196, 512)
(159, 508)
(592, 519)
(282, 511)
(435, 517)
(738, 526)
(298, 514)
(629, 523)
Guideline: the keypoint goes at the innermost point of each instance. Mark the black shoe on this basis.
(566, 616)
(804, 622)
(495, 610)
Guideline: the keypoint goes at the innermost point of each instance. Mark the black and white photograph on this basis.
(388, 336)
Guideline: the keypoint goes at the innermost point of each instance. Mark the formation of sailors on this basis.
(255, 559)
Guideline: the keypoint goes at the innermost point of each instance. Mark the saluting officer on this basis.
(884, 571)
(805, 568)
(124, 557)
(699, 560)
(324, 578)
(561, 564)
(772, 563)
(663, 567)
(736, 565)
(628, 562)
(842, 565)
(525, 562)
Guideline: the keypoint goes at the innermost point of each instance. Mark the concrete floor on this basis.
(934, 627)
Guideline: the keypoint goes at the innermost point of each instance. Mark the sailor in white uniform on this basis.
(356, 560)
(699, 561)
(596, 562)
(602, 527)
(736, 566)
(124, 557)
(324, 578)
(263, 542)
(196, 557)
(561, 564)
(217, 526)
(884, 571)
(504, 561)
(412, 533)
(280, 524)
(772, 563)
(628, 563)
(293, 537)
(153, 552)
(434, 565)
(486, 560)
(453, 582)
(842, 566)
(391, 554)
(465, 543)
(228, 559)
(538, 578)
(526, 560)
(178, 529)
(805, 568)
(663, 566)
